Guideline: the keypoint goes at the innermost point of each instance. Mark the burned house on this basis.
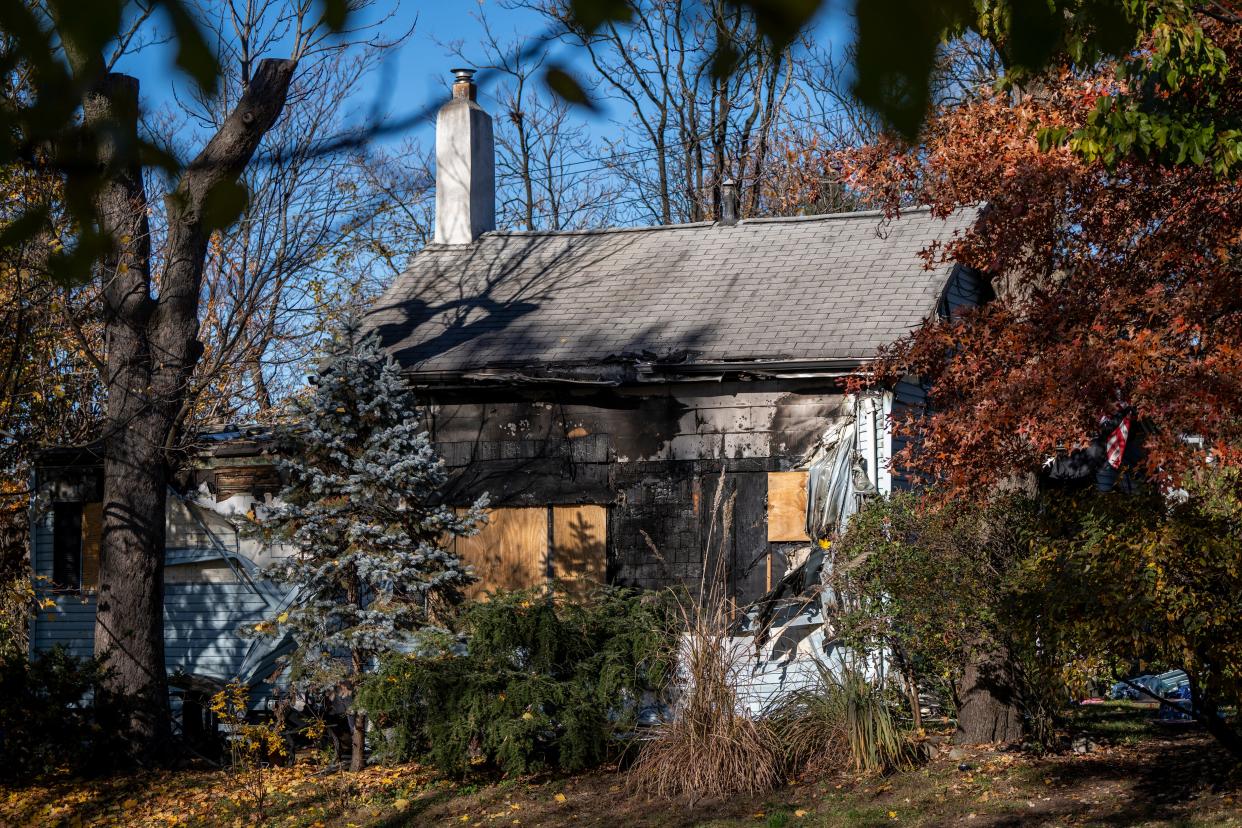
(642, 406)
(601, 385)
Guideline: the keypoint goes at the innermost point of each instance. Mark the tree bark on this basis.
(358, 743)
(989, 702)
(358, 663)
(152, 349)
(129, 618)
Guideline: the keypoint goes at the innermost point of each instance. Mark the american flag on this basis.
(1116, 445)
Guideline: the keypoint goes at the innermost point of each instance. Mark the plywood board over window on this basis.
(787, 506)
(515, 549)
(510, 552)
(579, 535)
(92, 532)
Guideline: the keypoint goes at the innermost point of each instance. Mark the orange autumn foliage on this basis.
(1115, 286)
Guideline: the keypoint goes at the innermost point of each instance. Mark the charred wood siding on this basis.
(652, 454)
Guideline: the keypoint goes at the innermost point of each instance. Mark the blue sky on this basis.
(416, 74)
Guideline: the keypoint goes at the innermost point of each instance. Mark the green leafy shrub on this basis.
(543, 684)
(47, 722)
(939, 585)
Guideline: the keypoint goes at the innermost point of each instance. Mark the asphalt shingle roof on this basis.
(823, 287)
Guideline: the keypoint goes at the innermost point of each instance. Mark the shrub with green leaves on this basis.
(47, 722)
(543, 684)
(937, 585)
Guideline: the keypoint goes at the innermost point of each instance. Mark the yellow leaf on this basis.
(560, 797)
(800, 813)
(401, 804)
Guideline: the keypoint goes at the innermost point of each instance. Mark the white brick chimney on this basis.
(465, 166)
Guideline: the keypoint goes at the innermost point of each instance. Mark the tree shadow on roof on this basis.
(457, 299)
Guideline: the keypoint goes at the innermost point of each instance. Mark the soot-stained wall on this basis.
(653, 454)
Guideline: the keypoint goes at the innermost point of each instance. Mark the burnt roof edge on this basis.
(636, 372)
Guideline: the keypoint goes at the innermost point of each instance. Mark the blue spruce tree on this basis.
(362, 515)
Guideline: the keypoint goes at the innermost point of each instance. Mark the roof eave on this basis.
(638, 372)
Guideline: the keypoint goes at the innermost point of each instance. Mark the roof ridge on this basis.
(592, 231)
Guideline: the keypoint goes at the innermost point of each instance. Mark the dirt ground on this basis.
(1134, 772)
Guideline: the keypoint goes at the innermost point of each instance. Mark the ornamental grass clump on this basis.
(842, 721)
(710, 748)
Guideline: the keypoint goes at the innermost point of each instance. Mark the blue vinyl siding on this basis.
(202, 621)
(966, 288)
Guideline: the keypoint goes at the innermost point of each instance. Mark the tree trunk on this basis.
(358, 663)
(358, 742)
(1207, 711)
(152, 349)
(129, 630)
(989, 704)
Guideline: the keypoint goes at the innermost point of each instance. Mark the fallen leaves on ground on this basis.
(302, 794)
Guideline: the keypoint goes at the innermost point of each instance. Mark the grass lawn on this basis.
(1137, 772)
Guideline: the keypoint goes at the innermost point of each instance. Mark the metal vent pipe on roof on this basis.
(728, 202)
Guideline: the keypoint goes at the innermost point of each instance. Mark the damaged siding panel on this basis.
(202, 626)
(510, 483)
(751, 557)
(646, 453)
(652, 423)
(875, 438)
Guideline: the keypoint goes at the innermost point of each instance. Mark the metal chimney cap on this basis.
(466, 75)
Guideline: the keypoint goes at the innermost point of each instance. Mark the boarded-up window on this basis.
(787, 506)
(578, 546)
(92, 532)
(510, 552)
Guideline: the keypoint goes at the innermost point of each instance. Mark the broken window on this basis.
(66, 546)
